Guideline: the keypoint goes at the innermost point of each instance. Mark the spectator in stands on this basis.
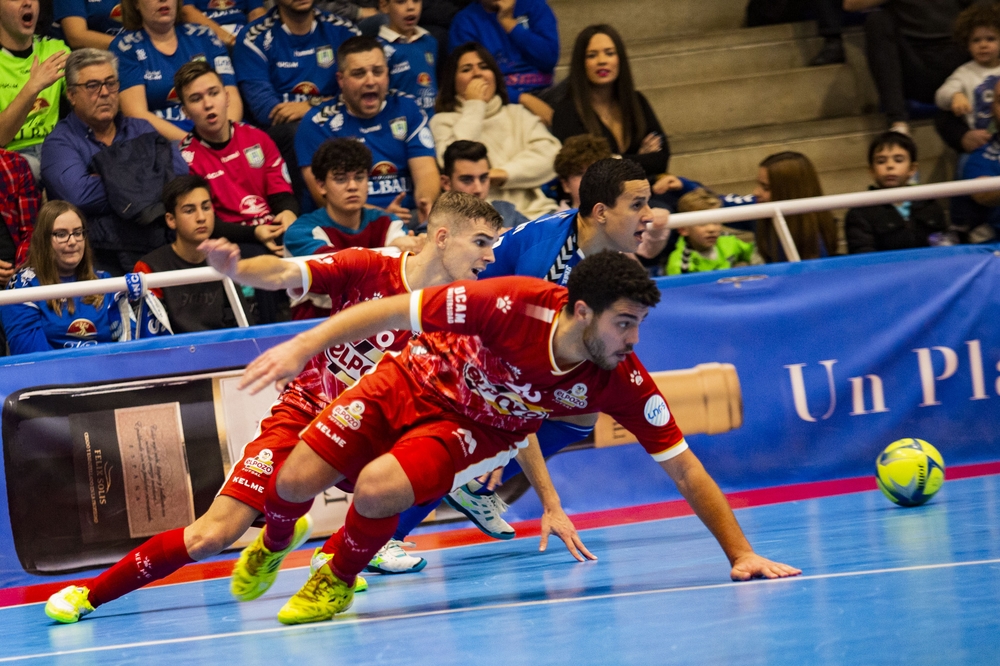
(892, 160)
(31, 70)
(467, 169)
(250, 183)
(341, 167)
(791, 175)
(191, 307)
(910, 51)
(393, 127)
(94, 124)
(968, 92)
(411, 52)
(88, 23)
(574, 158)
(285, 66)
(19, 202)
(522, 36)
(473, 106)
(225, 18)
(705, 247)
(830, 26)
(151, 49)
(602, 101)
(984, 223)
(59, 253)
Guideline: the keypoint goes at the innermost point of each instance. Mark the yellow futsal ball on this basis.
(909, 471)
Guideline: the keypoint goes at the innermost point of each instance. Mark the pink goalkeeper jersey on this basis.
(347, 277)
(242, 175)
(486, 352)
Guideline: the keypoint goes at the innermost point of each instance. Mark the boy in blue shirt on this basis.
(411, 52)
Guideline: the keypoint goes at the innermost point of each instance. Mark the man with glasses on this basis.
(95, 123)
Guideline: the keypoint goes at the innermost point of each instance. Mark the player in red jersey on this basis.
(461, 233)
(495, 359)
(249, 178)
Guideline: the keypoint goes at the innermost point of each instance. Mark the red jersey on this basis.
(486, 352)
(242, 175)
(347, 278)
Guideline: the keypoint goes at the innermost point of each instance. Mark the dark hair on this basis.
(446, 92)
(472, 151)
(356, 44)
(42, 258)
(188, 72)
(340, 155)
(604, 181)
(460, 208)
(132, 17)
(792, 176)
(976, 16)
(603, 278)
(889, 140)
(624, 94)
(182, 186)
(579, 152)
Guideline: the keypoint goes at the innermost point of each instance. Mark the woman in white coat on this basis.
(472, 105)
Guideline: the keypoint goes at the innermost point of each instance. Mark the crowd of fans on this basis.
(309, 126)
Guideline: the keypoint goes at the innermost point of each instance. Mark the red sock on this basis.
(159, 557)
(280, 516)
(354, 545)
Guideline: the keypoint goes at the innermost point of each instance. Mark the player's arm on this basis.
(426, 184)
(554, 519)
(712, 507)
(280, 364)
(264, 272)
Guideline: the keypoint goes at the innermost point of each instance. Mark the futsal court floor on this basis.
(880, 585)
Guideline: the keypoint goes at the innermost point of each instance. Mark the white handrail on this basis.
(775, 210)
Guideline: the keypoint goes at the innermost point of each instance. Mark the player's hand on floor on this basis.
(755, 566)
(558, 523)
(279, 364)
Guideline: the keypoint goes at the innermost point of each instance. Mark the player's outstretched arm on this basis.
(654, 238)
(263, 272)
(281, 363)
(554, 519)
(708, 502)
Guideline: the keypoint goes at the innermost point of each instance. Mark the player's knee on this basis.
(204, 539)
(292, 485)
(379, 493)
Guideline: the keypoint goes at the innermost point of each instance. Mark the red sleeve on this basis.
(332, 275)
(276, 179)
(632, 399)
(143, 267)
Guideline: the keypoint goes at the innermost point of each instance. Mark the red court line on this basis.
(530, 528)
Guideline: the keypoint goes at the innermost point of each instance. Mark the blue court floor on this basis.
(880, 585)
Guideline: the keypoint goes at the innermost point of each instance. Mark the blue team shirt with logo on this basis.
(102, 15)
(139, 63)
(275, 66)
(411, 66)
(397, 134)
(227, 12)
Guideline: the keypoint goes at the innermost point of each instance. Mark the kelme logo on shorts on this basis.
(261, 464)
(656, 411)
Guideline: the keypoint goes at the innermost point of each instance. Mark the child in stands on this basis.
(968, 92)
(410, 51)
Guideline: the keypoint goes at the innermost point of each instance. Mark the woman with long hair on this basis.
(790, 175)
(602, 101)
(59, 253)
(473, 106)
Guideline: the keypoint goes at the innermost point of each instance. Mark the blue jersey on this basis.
(397, 134)
(102, 15)
(411, 65)
(226, 12)
(547, 248)
(140, 64)
(275, 66)
(33, 327)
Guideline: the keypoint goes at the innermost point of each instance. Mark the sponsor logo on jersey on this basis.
(284, 64)
(656, 411)
(349, 416)
(508, 400)
(399, 68)
(81, 328)
(369, 130)
(307, 88)
(253, 206)
(116, 13)
(324, 57)
(39, 106)
(307, 52)
(398, 128)
(455, 300)
(172, 97)
(385, 179)
(152, 75)
(261, 464)
(348, 362)
(230, 157)
(503, 304)
(426, 138)
(465, 440)
(188, 156)
(255, 156)
(575, 398)
(223, 65)
(424, 79)
(215, 174)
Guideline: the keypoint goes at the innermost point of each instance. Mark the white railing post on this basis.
(785, 236)
(235, 303)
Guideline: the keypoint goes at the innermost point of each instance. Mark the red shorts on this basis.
(385, 412)
(277, 436)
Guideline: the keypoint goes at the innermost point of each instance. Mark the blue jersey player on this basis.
(616, 194)
(390, 123)
(411, 52)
